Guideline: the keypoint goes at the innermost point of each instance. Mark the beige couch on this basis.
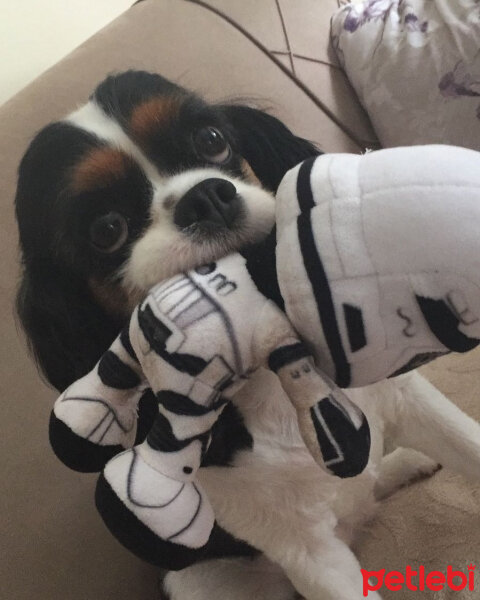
(54, 546)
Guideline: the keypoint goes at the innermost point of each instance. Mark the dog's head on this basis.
(144, 181)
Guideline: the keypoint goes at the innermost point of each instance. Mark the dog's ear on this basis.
(66, 330)
(269, 147)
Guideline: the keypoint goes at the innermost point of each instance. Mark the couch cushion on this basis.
(415, 67)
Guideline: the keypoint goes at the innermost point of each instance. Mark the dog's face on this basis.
(144, 181)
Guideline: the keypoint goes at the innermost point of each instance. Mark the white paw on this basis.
(403, 467)
(232, 579)
(422, 467)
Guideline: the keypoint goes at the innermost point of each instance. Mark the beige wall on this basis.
(35, 34)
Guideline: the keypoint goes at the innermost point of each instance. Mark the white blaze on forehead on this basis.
(164, 250)
(91, 118)
(257, 201)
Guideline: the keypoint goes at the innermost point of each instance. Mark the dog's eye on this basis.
(211, 145)
(109, 232)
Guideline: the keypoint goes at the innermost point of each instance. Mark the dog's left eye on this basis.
(211, 145)
(109, 232)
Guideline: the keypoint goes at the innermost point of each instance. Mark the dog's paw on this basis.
(422, 468)
(232, 579)
(403, 467)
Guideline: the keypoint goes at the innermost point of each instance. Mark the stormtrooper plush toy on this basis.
(374, 268)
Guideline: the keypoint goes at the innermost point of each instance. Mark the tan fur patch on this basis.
(249, 174)
(111, 297)
(99, 168)
(152, 114)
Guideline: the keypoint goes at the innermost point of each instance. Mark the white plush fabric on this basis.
(415, 65)
(396, 234)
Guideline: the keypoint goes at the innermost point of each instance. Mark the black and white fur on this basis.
(264, 486)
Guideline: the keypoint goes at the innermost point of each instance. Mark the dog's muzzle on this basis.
(213, 201)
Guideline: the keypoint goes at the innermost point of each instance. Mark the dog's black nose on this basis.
(212, 201)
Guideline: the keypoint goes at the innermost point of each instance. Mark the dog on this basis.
(147, 180)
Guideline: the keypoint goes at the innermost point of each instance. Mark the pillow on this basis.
(415, 65)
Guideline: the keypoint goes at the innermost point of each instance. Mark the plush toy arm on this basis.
(148, 496)
(333, 428)
(96, 417)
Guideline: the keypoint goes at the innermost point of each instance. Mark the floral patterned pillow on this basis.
(415, 65)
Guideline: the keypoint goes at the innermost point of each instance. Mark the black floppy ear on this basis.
(66, 331)
(269, 147)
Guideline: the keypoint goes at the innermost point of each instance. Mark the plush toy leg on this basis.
(96, 417)
(148, 496)
(335, 430)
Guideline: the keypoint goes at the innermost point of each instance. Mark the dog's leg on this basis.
(229, 579)
(327, 571)
(421, 417)
(402, 467)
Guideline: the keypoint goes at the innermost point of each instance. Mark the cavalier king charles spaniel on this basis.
(147, 180)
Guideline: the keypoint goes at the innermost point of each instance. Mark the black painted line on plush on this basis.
(136, 536)
(192, 519)
(228, 325)
(179, 404)
(304, 185)
(323, 298)
(106, 430)
(100, 401)
(226, 380)
(298, 82)
(126, 343)
(151, 326)
(229, 435)
(114, 373)
(161, 436)
(195, 301)
(166, 290)
(353, 444)
(286, 355)
(130, 482)
(341, 409)
(355, 327)
(105, 416)
(184, 298)
(444, 325)
(199, 317)
(330, 451)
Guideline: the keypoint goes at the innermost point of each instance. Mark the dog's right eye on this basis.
(109, 232)
(211, 145)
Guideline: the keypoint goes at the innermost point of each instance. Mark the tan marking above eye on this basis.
(249, 174)
(98, 168)
(154, 113)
